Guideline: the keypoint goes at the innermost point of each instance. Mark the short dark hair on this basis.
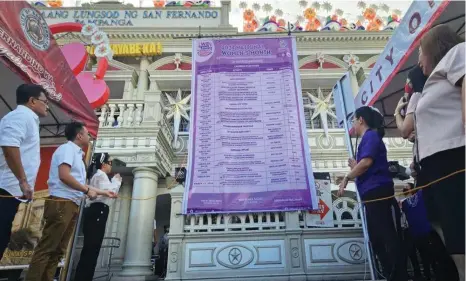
(438, 41)
(73, 129)
(26, 91)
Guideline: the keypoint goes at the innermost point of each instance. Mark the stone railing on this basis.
(121, 113)
(345, 213)
(227, 223)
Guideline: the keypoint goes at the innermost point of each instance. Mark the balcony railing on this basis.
(345, 214)
(121, 113)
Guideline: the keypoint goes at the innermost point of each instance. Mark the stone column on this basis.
(143, 81)
(128, 90)
(294, 251)
(225, 14)
(123, 216)
(152, 105)
(176, 235)
(141, 222)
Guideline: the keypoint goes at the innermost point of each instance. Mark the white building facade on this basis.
(151, 75)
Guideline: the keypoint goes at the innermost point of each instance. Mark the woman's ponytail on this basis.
(377, 122)
(91, 169)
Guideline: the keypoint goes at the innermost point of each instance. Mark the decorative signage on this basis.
(248, 151)
(420, 16)
(323, 217)
(136, 17)
(132, 50)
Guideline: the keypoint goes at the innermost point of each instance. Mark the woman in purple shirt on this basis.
(373, 181)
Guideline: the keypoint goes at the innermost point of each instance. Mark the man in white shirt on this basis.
(67, 187)
(20, 154)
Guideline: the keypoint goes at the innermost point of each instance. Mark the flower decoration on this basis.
(352, 61)
(393, 17)
(89, 29)
(102, 50)
(343, 22)
(313, 25)
(159, 3)
(369, 14)
(248, 15)
(281, 22)
(320, 59)
(310, 13)
(177, 60)
(243, 5)
(273, 18)
(55, 3)
(248, 27)
(99, 37)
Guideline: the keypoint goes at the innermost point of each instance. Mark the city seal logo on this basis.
(35, 28)
(204, 49)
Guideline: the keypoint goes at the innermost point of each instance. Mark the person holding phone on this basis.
(96, 215)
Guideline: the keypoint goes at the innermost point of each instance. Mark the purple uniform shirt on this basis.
(377, 175)
(416, 214)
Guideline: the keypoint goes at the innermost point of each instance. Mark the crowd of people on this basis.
(431, 115)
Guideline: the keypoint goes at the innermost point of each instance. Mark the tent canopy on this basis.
(384, 87)
(29, 53)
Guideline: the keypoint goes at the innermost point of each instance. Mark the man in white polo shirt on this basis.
(20, 154)
(67, 187)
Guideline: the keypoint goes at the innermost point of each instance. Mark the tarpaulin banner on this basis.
(417, 20)
(248, 149)
(28, 48)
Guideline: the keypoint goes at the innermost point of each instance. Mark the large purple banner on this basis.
(248, 149)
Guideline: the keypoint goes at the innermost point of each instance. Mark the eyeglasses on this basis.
(46, 102)
(110, 163)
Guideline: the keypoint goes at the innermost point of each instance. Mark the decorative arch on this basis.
(310, 62)
(369, 63)
(167, 63)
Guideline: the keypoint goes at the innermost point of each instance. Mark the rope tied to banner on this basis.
(362, 202)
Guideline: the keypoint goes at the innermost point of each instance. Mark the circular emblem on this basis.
(35, 28)
(295, 253)
(235, 256)
(174, 257)
(355, 252)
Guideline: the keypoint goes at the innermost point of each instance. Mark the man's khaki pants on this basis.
(60, 219)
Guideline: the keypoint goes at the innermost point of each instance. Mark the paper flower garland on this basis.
(99, 39)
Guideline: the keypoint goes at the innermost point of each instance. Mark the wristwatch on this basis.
(87, 191)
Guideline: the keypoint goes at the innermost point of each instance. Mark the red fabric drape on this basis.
(28, 47)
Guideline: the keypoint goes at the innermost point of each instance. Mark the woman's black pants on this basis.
(94, 222)
(385, 233)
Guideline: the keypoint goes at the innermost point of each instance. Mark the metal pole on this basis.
(69, 266)
(362, 212)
